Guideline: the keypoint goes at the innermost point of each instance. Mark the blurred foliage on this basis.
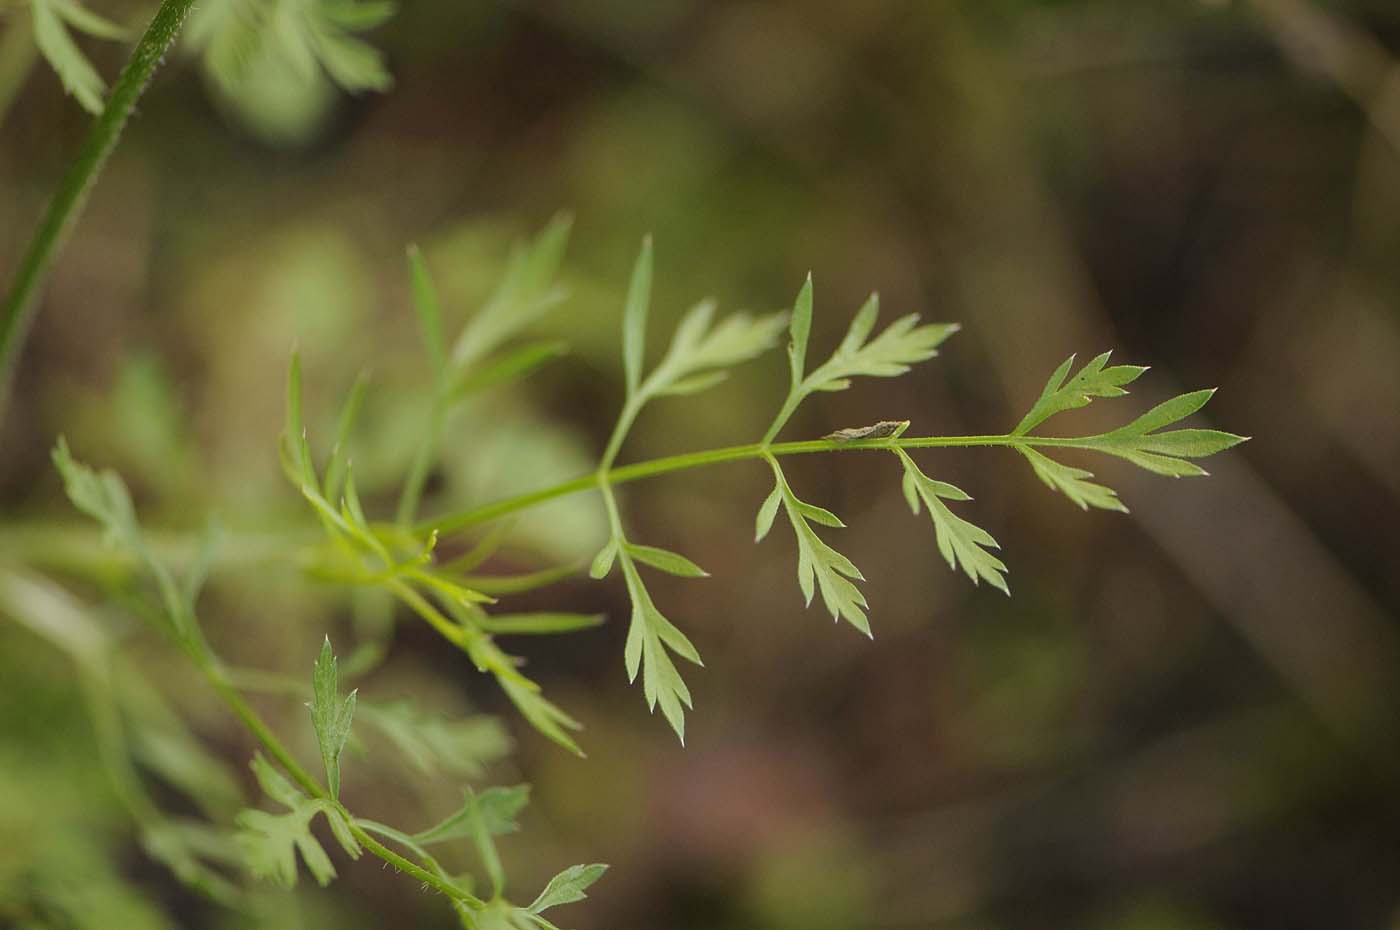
(1184, 719)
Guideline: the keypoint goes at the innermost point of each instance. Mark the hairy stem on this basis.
(20, 303)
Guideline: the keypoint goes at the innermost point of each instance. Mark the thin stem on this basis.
(458, 521)
(619, 434)
(214, 674)
(407, 866)
(20, 304)
(794, 398)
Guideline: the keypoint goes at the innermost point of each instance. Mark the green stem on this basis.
(794, 398)
(619, 434)
(406, 866)
(20, 304)
(451, 523)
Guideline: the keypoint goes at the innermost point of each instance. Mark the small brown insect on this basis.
(882, 430)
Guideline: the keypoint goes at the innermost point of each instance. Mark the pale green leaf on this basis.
(800, 330)
(634, 318)
(494, 811)
(960, 542)
(603, 561)
(1072, 482)
(819, 566)
(699, 351)
(766, 513)
(1093, 380)
(432, 744)
(511, 365)
(568, 886)
(670, 562)
(330, 716)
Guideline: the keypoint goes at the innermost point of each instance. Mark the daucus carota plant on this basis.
(398, 557)
(431, 568)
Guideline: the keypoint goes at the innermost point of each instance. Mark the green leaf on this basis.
(901, 344)
(527, 291)
(650, 639)
(766, 513)
(101, 495)
(959, 541)
(700, 352)
(270, 842)
(539, 622)
(352, 63)
(542, 714)
(51, 19)
(512, 365)
(482, 818)
(432, 744)
(819, 566)
(1093, 380)
(104, 497)
(634, 318)
(495, 811)
(670, 562)
(429, 310)
(1072, 482)
(568, 886)
(330, 715)
(1165, 453)
(603, 561)
(800, 330)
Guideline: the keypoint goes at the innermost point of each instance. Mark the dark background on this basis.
(1182, 718)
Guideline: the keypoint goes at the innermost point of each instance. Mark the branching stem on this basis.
(454, 522)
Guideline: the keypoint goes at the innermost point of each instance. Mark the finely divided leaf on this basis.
(494, 810)
(699, 353)
(270, 842)
(1166, 453)
(819, 566)
(959, 541)
(51, 21)
(527, 292)
(650, 639)
(431, 744)
(483, 817)
(1072, 482)
(330, 715)
(1093, 380)
(901, 344)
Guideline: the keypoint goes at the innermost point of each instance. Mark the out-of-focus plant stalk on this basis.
(22, 299)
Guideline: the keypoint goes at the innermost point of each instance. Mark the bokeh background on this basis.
(1183, 719)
